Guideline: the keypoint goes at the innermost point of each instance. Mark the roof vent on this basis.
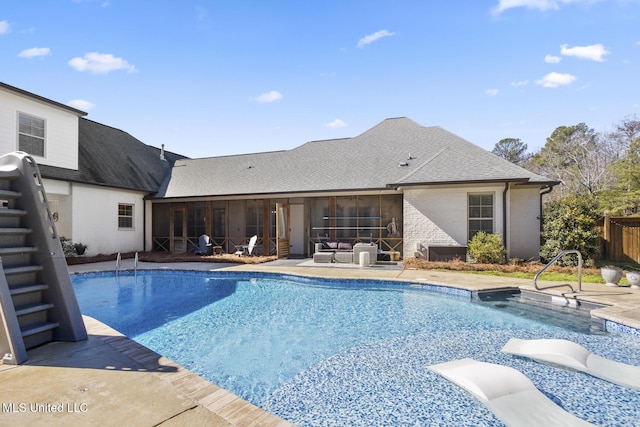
(403, 164)
(162, 152)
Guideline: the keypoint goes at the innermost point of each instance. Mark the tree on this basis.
(569, 223)
(624, 196)
(578, 157)
(512, 149)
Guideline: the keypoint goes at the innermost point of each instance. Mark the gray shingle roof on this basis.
(111, 157)
(369, 161)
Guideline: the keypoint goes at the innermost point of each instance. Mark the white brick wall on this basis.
(430, 218)
(439, 216)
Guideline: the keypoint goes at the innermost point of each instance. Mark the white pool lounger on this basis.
(509, 394)
(574, 356)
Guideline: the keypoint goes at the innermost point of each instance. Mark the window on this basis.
(125, 216)
(480, 213)
(31, 134)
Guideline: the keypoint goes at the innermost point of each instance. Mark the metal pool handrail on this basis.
(135, 264)
(556, 258)
(118, 264)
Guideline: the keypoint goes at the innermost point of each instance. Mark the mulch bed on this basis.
(165, 257)
(458, 265)
(411, 263)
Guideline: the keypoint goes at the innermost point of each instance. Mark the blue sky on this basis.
(210, 78)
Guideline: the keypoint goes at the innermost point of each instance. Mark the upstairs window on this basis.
(31, 134)
(125, 216)
(480, 213)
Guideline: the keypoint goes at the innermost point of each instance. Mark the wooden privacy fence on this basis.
(620, 239)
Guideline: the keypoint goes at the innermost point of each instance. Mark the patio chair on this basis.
(246, 249)
(204, 245)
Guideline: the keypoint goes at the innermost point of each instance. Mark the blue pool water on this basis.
(323, 352)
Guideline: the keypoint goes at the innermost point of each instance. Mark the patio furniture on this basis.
(341, 251)
(365, 260)
(368, 248)
(343, 256)
(204, 245)
(243, 250)
(324, 257)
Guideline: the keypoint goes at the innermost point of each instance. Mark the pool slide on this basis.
(37, 301)
(509, 394)
(570, 355)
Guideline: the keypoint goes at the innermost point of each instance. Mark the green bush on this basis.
(486, 248)
(569, 223)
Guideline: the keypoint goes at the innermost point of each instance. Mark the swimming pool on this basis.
(327, 352)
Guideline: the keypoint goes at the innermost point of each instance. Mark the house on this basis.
(96, 177)
(408, 188)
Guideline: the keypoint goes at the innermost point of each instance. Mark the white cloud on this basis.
(520, 83)
(594, 52)
(529, 4)
(373, 37)
(550, 59)
(267, 97)
(337, 123)
(4, 27)
(541, 5)
(555, 80)
(100, 63)
(81, 104)
(34, 52)
(491, 92)
(105, 3)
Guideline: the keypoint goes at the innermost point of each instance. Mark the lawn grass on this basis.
(525, 270)
(551, 276)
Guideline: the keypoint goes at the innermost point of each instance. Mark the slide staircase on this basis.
(37, 301)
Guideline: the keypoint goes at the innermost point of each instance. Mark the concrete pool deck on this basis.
(112, 380)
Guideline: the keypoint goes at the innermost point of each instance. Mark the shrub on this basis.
(67, 247)
(80, 248)
(486, 248)
(569, 223)
(71, 249)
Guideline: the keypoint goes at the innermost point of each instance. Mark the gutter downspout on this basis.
(504, 216)
(542, 193)
(144, 224)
